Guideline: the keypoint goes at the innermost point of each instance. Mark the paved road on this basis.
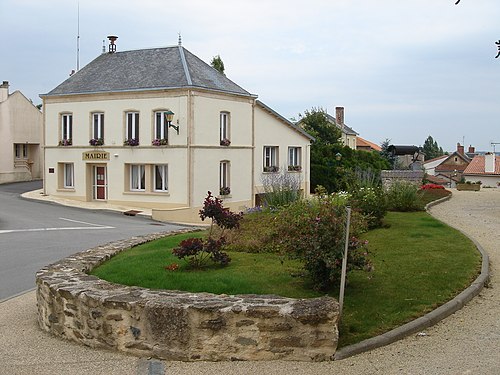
(34, 234)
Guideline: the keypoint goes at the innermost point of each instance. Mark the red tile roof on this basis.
(360, 142)
(476, 166)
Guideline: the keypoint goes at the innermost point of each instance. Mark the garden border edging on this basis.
(175, 325)
(432, 317)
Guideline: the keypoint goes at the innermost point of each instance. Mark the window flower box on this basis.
(271, 169)
(225, 142)
(96, 142)
(65, 142)
(160, 142)
(131, 142)
(294, 168)
(469, 187)
(226, 190)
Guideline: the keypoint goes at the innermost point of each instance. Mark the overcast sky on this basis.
(403, 69)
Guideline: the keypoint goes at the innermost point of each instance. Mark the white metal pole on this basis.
(344, 260)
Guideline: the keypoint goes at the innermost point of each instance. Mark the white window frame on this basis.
(98, 125)
(66, 126)
(137, 177)
(294, 156)
(160, 125)
(69, 175)
(224, 119)
(224, 174)
(163, 178)
(270, 156)
(132, 125)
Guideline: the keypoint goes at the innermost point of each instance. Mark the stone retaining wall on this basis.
(177, 325)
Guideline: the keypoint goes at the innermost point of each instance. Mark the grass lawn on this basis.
(419, 264)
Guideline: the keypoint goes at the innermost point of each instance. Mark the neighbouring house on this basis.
(20, 137)
(451, 167)
(484, 168)
(158, 128)
(348, 136)
(364, 145)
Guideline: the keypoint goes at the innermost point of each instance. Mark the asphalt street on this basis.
(34, 234)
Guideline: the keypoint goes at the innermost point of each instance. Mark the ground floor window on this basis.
(137, 177)
(69, 176)
(161, 177)
(21, 150)
(224, 188)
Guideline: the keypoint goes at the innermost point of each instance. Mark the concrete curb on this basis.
(429, 319)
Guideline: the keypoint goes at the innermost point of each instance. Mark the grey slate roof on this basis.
(346, 129)
(146, 69)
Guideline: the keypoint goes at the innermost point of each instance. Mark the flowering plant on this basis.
(225, 142)
(65, 142)
(431, 186)
(131, 142)
(271, 168)
(225, 190)
(160, 142)
(196, 250)
(96, 142)
(294, 168)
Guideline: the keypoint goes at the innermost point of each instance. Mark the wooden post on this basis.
(344, 260)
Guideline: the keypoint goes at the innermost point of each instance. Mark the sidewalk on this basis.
(38, 195)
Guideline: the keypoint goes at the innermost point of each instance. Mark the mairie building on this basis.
(159, 128)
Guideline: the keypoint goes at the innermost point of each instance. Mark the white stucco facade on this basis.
(20, 137)
(193, 157)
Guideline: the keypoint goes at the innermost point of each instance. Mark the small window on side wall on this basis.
(294, 164)
(224, 129)
(224, 170)
(271, 159)
(69, 175)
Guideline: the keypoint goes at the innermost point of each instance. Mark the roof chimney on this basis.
(112, 45)
(339, 116)
(489, 162)
(460, 149)
(4, 91)
(472, 150)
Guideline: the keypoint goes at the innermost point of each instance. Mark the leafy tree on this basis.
(386, 154)
(316, 123)
(431, 149)
(217, 64)
(334, 166)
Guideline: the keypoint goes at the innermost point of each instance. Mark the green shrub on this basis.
(313, 231)
(403, 196)
(372, 202)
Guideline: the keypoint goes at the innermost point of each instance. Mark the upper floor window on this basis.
(161, 177)
(132, 129)
(294, 159)
(224, 188)
(271, 159)
(66, 129)
(224, 129)
(97, 129)
(161, 129)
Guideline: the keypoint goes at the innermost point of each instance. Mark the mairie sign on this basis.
(95, 155)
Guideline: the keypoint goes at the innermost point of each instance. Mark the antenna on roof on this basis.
(180, 39)
(78, 41)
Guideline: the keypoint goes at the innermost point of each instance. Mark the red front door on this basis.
(100, 183)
